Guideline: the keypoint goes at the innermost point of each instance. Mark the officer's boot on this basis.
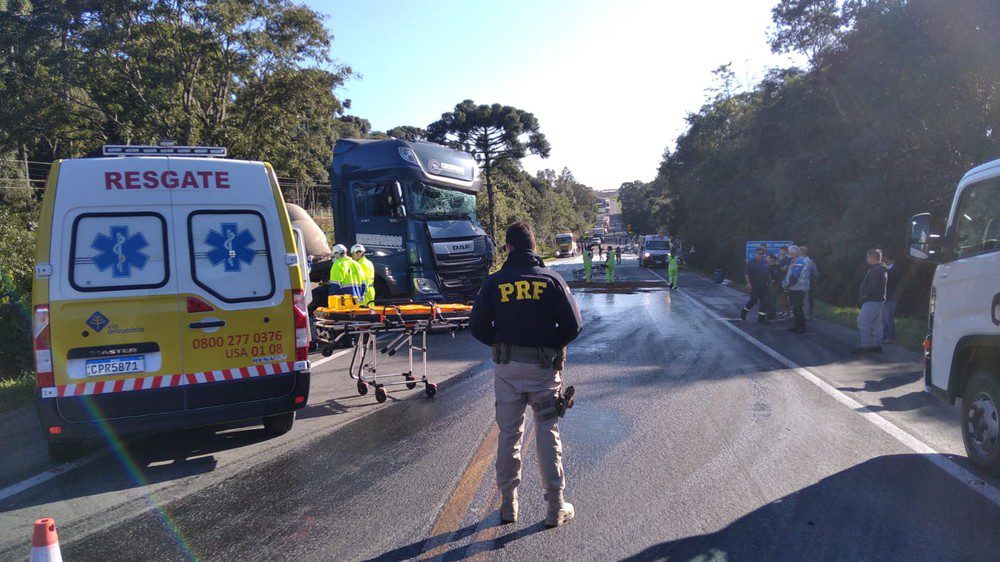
(508, 506)
(560, 511)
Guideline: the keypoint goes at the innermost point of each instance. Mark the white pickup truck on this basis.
(962, 351)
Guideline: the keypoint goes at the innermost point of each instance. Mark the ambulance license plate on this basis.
(115, 366)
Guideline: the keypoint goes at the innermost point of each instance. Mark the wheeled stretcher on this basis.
(405, 324)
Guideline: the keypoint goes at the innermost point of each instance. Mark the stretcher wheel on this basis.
(431, 389)
(411, 385)
(362, 388)
(327, 351)
(380, 394)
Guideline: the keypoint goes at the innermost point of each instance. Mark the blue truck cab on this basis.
(412, 205)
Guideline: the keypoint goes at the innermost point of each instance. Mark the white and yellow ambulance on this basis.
(167, 294)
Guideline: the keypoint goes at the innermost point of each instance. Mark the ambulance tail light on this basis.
(42, 341)
(301, 325)
(194, 304)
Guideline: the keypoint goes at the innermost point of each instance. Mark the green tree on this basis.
(494, 134)
(920, 85)
(810, 27)
(407, 132)
(255, 75)
(18, 221)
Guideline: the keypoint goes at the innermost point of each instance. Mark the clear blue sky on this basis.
(609, 81)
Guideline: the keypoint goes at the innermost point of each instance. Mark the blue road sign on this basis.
(772, 246)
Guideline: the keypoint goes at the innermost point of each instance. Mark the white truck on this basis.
(566, 245)
(962, 350)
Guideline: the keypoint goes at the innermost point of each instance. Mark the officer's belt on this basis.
(545, 357)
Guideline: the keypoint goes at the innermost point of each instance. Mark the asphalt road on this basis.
(688, 440)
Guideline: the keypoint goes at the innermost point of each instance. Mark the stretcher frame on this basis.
(365, 334)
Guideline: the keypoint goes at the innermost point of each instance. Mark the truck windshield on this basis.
(429, 201)
(657, 245)
(563, 239)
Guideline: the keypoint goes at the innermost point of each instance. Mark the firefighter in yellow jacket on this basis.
(358, 253)
(346, 275)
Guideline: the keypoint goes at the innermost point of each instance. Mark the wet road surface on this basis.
(686, 441)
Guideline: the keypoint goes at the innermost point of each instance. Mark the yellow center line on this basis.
(491, 533)
(454, 511)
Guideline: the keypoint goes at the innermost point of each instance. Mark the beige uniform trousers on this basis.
(517, 386)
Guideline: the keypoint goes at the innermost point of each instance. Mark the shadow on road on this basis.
(911, 401)
(463, 551)
(152, 460)
(888, 383)
(329, 407)
(892, 503)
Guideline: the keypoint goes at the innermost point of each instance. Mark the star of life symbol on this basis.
(230, 247)
(120, 252)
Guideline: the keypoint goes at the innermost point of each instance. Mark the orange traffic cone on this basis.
(45, 542)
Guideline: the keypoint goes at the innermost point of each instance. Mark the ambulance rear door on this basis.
(237, 322)
(113, 295)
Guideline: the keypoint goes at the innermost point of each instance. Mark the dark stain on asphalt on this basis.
(619, 287)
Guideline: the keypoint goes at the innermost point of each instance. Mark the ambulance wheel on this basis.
(279, 424)
(431, 389)
(380, 394)
(327, 351)
(63, 451)
(411, 385)
(362, 388)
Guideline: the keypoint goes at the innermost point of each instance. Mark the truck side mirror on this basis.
(396, 197)
(921, 244)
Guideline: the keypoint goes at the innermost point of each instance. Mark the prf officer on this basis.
(526, 313)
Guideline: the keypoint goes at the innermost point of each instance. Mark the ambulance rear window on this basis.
(230, 255)
(118, 252)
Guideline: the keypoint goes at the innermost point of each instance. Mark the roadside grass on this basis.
(910, 332)
(16, 391)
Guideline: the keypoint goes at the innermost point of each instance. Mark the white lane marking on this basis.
(51, 473)
(319, 362)
(955, 470)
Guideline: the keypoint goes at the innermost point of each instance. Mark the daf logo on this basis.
(996, 309)
(461, 247)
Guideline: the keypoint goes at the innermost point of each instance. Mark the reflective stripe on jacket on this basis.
(347, 278)
(672, 263)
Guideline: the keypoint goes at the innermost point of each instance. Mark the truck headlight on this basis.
(412, 253)
(645, 255)
(424, 285)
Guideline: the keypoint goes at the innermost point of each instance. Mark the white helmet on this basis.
(339, 251)
(357, 248)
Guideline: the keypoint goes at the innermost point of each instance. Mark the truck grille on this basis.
(461, 275)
